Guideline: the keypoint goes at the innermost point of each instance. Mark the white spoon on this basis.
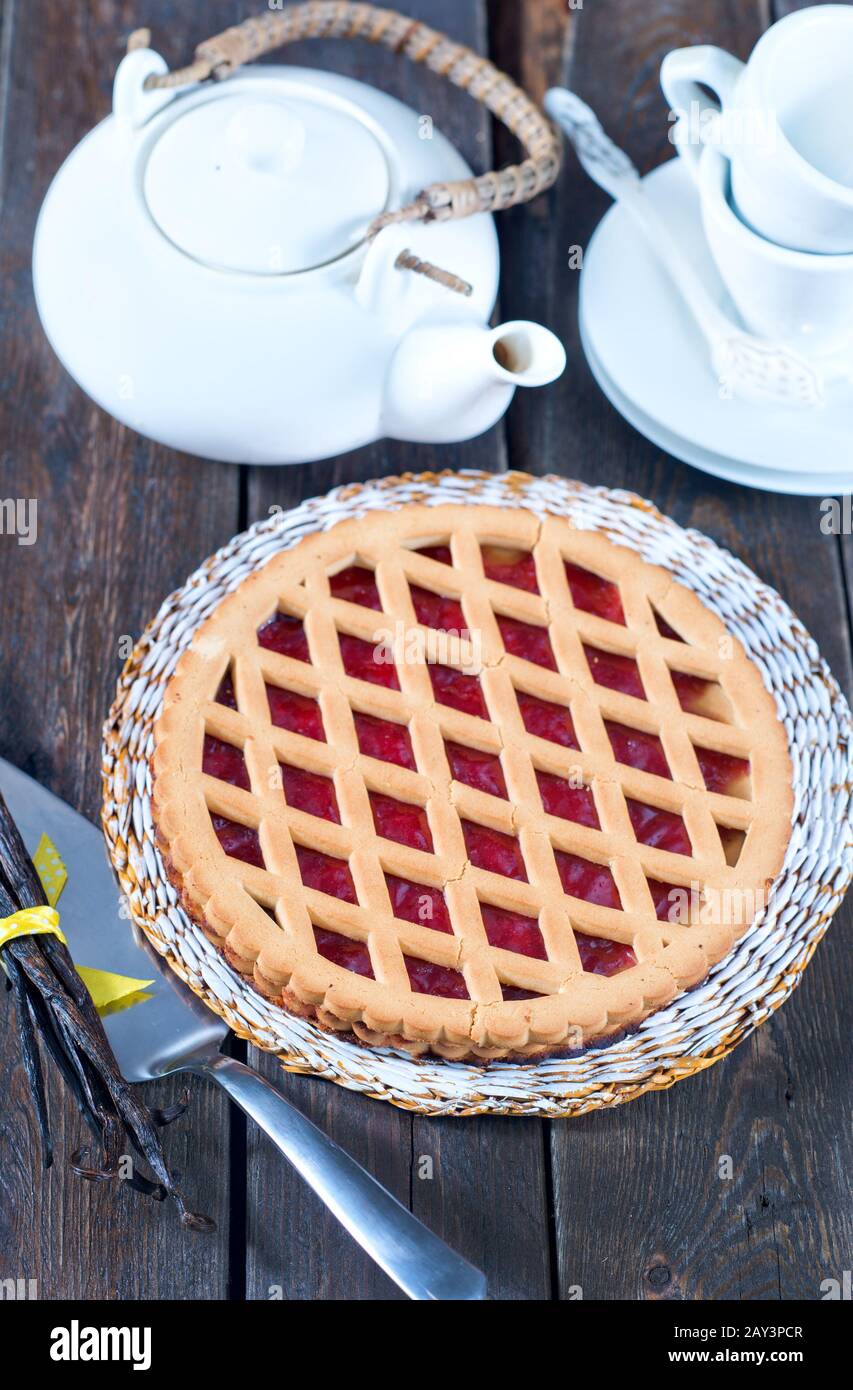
(755, 369)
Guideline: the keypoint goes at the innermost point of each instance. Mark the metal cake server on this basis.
(173, 1031)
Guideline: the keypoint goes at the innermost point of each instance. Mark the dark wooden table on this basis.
(626, 1204)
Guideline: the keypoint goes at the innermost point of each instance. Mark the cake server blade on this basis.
(170, 1022)
(171, 1030)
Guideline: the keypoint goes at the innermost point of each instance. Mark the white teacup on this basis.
(785, 123)
(794, 297)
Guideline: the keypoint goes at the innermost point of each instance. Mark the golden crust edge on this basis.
(715, 944)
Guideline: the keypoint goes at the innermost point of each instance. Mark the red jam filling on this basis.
(511, 993)
(401, 821)
(615, 671)
(560, 798)
(601, 957)
(224, 761)
(659, 829)
(722, 772)
(297, 713)
(689, 689)
(699, 696)
(441, 553)
(593, 594)
(458, 691)
(526, 640)
(637, 749)
(492, 850)
(426, 978)
(307, 791)
(351, 955)
(326, 874)
(665, 629)
(238, 841)
(476, 769)
(581, 878)
(368, 661)
(225, 694)
(286, 636)
(434, 610)
(732, 842)
(357, 585)
(670, 900)
(415, 902)
(511, 932)
(547, 720)
(515, 567)
(383, 739)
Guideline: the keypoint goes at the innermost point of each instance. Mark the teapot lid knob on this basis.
(266, 136)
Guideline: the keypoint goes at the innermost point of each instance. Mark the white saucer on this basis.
(653, 364)
(768, 479)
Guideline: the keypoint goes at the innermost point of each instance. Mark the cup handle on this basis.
(681, 73)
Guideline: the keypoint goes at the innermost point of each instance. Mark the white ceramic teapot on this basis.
(231, 267)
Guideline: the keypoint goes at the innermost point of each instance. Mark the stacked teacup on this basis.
(774, 168)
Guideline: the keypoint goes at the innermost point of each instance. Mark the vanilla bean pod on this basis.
(30, 1052)
(138, 1124)
(94, 1112)
(93, 1109)
(49, 1038)
(51, 997)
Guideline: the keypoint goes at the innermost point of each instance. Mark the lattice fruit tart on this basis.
(464, 780)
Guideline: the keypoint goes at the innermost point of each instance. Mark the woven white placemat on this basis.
(700, 1026)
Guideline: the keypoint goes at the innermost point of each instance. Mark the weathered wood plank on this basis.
(485, 1192)
(779, 8)
(120, 524)
(294, 1247)
(640, 1209)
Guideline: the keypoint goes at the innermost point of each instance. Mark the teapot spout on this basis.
(527, 354)
(449, 382)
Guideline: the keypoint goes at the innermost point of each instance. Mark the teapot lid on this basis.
(267, 184)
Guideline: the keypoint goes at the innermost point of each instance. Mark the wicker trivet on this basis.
(702, 1025)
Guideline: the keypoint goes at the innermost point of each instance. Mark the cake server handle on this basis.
(418, 1262)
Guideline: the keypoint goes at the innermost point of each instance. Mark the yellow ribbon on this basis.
(50, 869)
(109, 992)
(31, 921)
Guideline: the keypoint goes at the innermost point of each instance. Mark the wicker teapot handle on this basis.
(218, 58)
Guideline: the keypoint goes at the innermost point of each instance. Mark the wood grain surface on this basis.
(626, 1204)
